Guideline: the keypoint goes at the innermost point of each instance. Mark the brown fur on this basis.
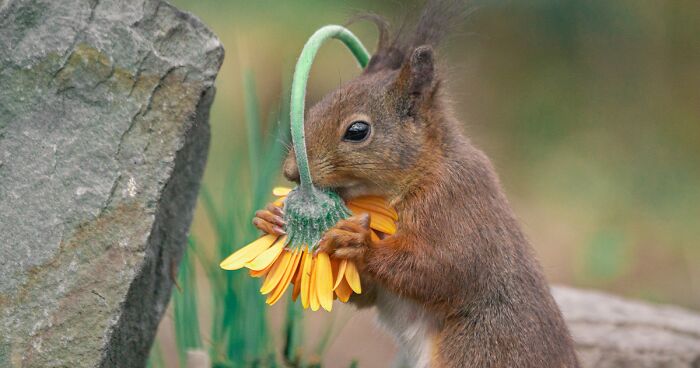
(459, 252)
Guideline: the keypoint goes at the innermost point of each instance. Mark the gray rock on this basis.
(611, 332)
(103, 139)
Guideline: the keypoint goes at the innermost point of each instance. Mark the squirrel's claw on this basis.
(348, 239)
(270, 220)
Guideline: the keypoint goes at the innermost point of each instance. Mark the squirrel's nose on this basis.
(291, 171)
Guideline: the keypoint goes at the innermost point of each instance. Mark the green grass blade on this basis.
(210, 209)
(187, 333)
(293, 332)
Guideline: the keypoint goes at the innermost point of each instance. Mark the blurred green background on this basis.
(590, 111)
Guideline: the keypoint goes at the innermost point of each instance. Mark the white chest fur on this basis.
(412, 327)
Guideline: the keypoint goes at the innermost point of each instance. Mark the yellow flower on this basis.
(317, 278)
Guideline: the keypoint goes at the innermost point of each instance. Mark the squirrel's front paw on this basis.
(349, 238)
(270, 220)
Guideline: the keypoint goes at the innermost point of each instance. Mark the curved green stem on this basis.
(301, 77)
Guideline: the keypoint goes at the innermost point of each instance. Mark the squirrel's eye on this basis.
(358, 131)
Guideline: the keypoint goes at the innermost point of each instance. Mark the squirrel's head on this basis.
(380, 131)
(369, 134)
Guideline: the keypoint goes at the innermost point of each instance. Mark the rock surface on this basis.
(611, 332)
(103, 139)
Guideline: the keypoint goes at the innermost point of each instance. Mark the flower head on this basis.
(316, 278)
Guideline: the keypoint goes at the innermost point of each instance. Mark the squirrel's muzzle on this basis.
(290, 169)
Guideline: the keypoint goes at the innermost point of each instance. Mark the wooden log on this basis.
(615, 332)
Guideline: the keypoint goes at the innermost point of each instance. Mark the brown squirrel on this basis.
(457, 284)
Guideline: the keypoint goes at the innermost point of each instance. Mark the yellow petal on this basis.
(324, 281)
(353, 277)
(297, 276)
(377, 221)
(343, 291)
(313, 294)
(267, 257)
(239, 258)
(341, 272)
(285, 281)
(261, 273)
(373, 235)
(335, 267)
(280, 191)
(275, 275)
(375, 204)
(306, 280)
(355, 210)
(382, 223)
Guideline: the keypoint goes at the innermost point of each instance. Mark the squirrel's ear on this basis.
(416, 79)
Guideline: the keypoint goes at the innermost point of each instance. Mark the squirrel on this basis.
(458, 284)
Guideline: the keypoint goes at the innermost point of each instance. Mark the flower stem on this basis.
(301, 77)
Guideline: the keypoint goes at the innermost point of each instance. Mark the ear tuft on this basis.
(389, 58)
